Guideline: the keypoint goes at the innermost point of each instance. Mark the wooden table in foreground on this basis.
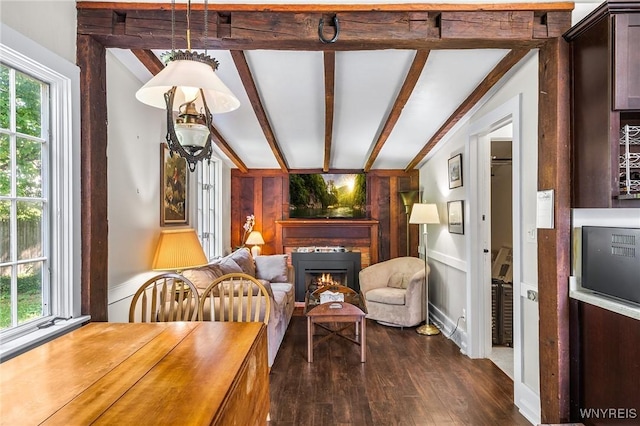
(134, 374)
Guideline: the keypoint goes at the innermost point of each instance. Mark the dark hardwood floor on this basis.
(408, 379)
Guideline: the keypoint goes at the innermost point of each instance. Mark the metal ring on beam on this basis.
(336, 24)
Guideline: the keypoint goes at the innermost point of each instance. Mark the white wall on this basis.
(51, 24)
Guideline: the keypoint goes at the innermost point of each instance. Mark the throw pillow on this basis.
(228, 266)
(201, 277)
(397, 280)
(272, 268)
(243, 258)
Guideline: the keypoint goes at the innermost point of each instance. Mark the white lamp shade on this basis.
(191, 75)
(424, 213)
(255, 238)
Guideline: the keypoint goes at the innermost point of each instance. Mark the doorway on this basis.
(525, 340)
(501, 236)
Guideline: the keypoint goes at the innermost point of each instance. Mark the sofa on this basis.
(273, 271)
(393, 290)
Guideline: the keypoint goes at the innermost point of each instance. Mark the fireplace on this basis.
(316, 268)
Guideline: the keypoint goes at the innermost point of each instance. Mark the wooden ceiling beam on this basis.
(148, 26)
(254, 97)
(149, 59)
(419, 61)
(329, 88)
(155, 65)
(508, 62)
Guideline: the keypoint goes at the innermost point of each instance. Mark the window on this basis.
(39, 254)
(209, 202)
(24, 204)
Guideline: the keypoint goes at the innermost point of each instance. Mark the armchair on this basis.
(393, 290)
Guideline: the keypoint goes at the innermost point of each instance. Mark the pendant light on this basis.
(189, 87)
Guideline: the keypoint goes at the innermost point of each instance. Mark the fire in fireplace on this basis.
(343, 267)
(318, 279)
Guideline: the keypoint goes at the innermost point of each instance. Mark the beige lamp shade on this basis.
(424, 213)
(255, 238)
(178, 249)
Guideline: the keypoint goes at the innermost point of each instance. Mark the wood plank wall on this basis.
(265, 193)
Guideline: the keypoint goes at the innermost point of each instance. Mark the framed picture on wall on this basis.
(174, 181)
(455, 171)
(455, 210)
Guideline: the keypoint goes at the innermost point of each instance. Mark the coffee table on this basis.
(351, 311)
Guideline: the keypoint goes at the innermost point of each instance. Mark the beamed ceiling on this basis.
(395, 81)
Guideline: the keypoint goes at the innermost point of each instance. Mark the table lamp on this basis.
(423, 214)
(255, 239)
(177, 250)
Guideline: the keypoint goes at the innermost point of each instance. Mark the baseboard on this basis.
(448, 328)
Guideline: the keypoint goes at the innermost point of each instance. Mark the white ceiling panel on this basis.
(240, 128)
(448, 78)
(367, 83)
(291, 87)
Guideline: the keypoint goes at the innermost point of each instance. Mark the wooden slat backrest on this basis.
(164, 298)
(231, 298)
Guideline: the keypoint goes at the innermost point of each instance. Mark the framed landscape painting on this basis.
(455, 211)
(174, 180)
(455, 171)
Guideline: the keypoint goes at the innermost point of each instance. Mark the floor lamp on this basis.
(423, 214)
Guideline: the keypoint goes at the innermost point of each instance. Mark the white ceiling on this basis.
(291, 88)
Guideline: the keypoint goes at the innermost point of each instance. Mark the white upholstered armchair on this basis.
(394, 290)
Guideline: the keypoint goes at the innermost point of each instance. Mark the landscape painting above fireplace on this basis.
(327, 195)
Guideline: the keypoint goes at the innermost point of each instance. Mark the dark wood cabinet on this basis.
(605, 71)
(626, 29)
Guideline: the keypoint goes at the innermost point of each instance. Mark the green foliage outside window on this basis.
(28, 113)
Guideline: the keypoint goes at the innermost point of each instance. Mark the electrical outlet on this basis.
(464, 314)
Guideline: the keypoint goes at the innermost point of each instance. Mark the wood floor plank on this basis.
(408, 379)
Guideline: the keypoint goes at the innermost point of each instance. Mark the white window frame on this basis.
(63, 188)
(209, 202)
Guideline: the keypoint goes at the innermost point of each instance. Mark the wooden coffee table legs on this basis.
(360, 330)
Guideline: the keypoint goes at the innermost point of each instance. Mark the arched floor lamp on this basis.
(423, 214)
(408, 199)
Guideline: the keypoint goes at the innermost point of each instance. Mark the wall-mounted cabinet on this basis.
(605, 71)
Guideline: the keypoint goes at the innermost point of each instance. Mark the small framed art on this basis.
(174, 180)
(455, 210)
(455, 171)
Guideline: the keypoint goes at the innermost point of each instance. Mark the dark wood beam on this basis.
(254, 97)
(224, 146)
(91, 58)
(419, 61)
(149, 60)
(329, 87)
(508, 62)
(554, 245)
(148, 26)
(155, 65)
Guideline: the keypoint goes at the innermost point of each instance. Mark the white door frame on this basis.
(479, 249)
